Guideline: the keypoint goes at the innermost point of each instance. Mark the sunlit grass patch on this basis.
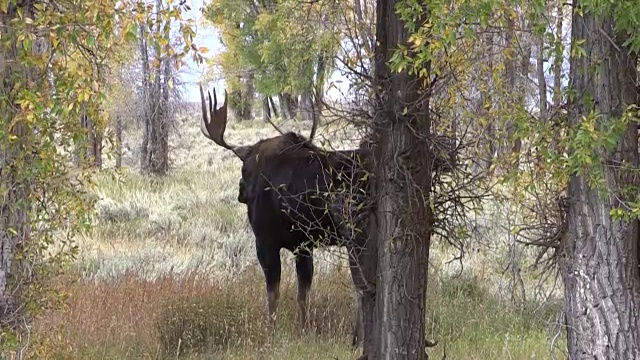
(471, 323)
(188, 221)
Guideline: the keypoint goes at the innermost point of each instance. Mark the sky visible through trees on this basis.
(208, 37)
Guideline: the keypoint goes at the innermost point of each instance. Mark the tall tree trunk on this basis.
(164, 119)
(318, 98)
(559, 55)
(364, 27)
(154, 156)
(283, 107)
(97, 151)
(247, 97)
(88, 150)
(15, 222)
(294, 105)
(80, 147)
(543, 102)
(273, 106)
(522, 85)
(484, 105)
(600, 253)
(542, 80)
(307, 105)
(95, 141)
(510, 73)
(118, 141)
(235, 103)
(266, 109)
(146, 98)
(286, 106)
(156, 160)
(96, 132)
(402, 187)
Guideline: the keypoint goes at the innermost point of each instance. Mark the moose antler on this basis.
(214, 129)
(275, 126)
(314, 117)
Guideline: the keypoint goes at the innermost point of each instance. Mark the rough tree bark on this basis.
(15, 223)
(599, 259)
(402, 186)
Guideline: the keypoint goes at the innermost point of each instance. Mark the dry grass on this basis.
(131, 317)
(170, 270)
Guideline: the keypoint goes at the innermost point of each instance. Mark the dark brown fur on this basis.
(300, 197)
(297, 198)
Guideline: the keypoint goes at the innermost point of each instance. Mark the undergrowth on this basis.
(170, 271)
(192, 317)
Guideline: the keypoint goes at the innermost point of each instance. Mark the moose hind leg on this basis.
(270, 262)
(304, 270)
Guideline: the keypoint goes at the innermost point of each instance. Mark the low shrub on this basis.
(208, 323)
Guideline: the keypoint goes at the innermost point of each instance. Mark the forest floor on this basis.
(170, 270)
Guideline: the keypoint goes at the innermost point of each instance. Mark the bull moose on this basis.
(298, 197)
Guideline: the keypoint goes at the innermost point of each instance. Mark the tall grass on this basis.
(170, 271)
(194, 317)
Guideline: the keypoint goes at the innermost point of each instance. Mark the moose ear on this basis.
(243, 152)
(294, 138)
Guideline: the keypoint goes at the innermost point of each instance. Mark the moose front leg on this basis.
(269, 259)
(304, 271)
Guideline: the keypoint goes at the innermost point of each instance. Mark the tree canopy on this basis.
(54, 59)
(280, 43)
